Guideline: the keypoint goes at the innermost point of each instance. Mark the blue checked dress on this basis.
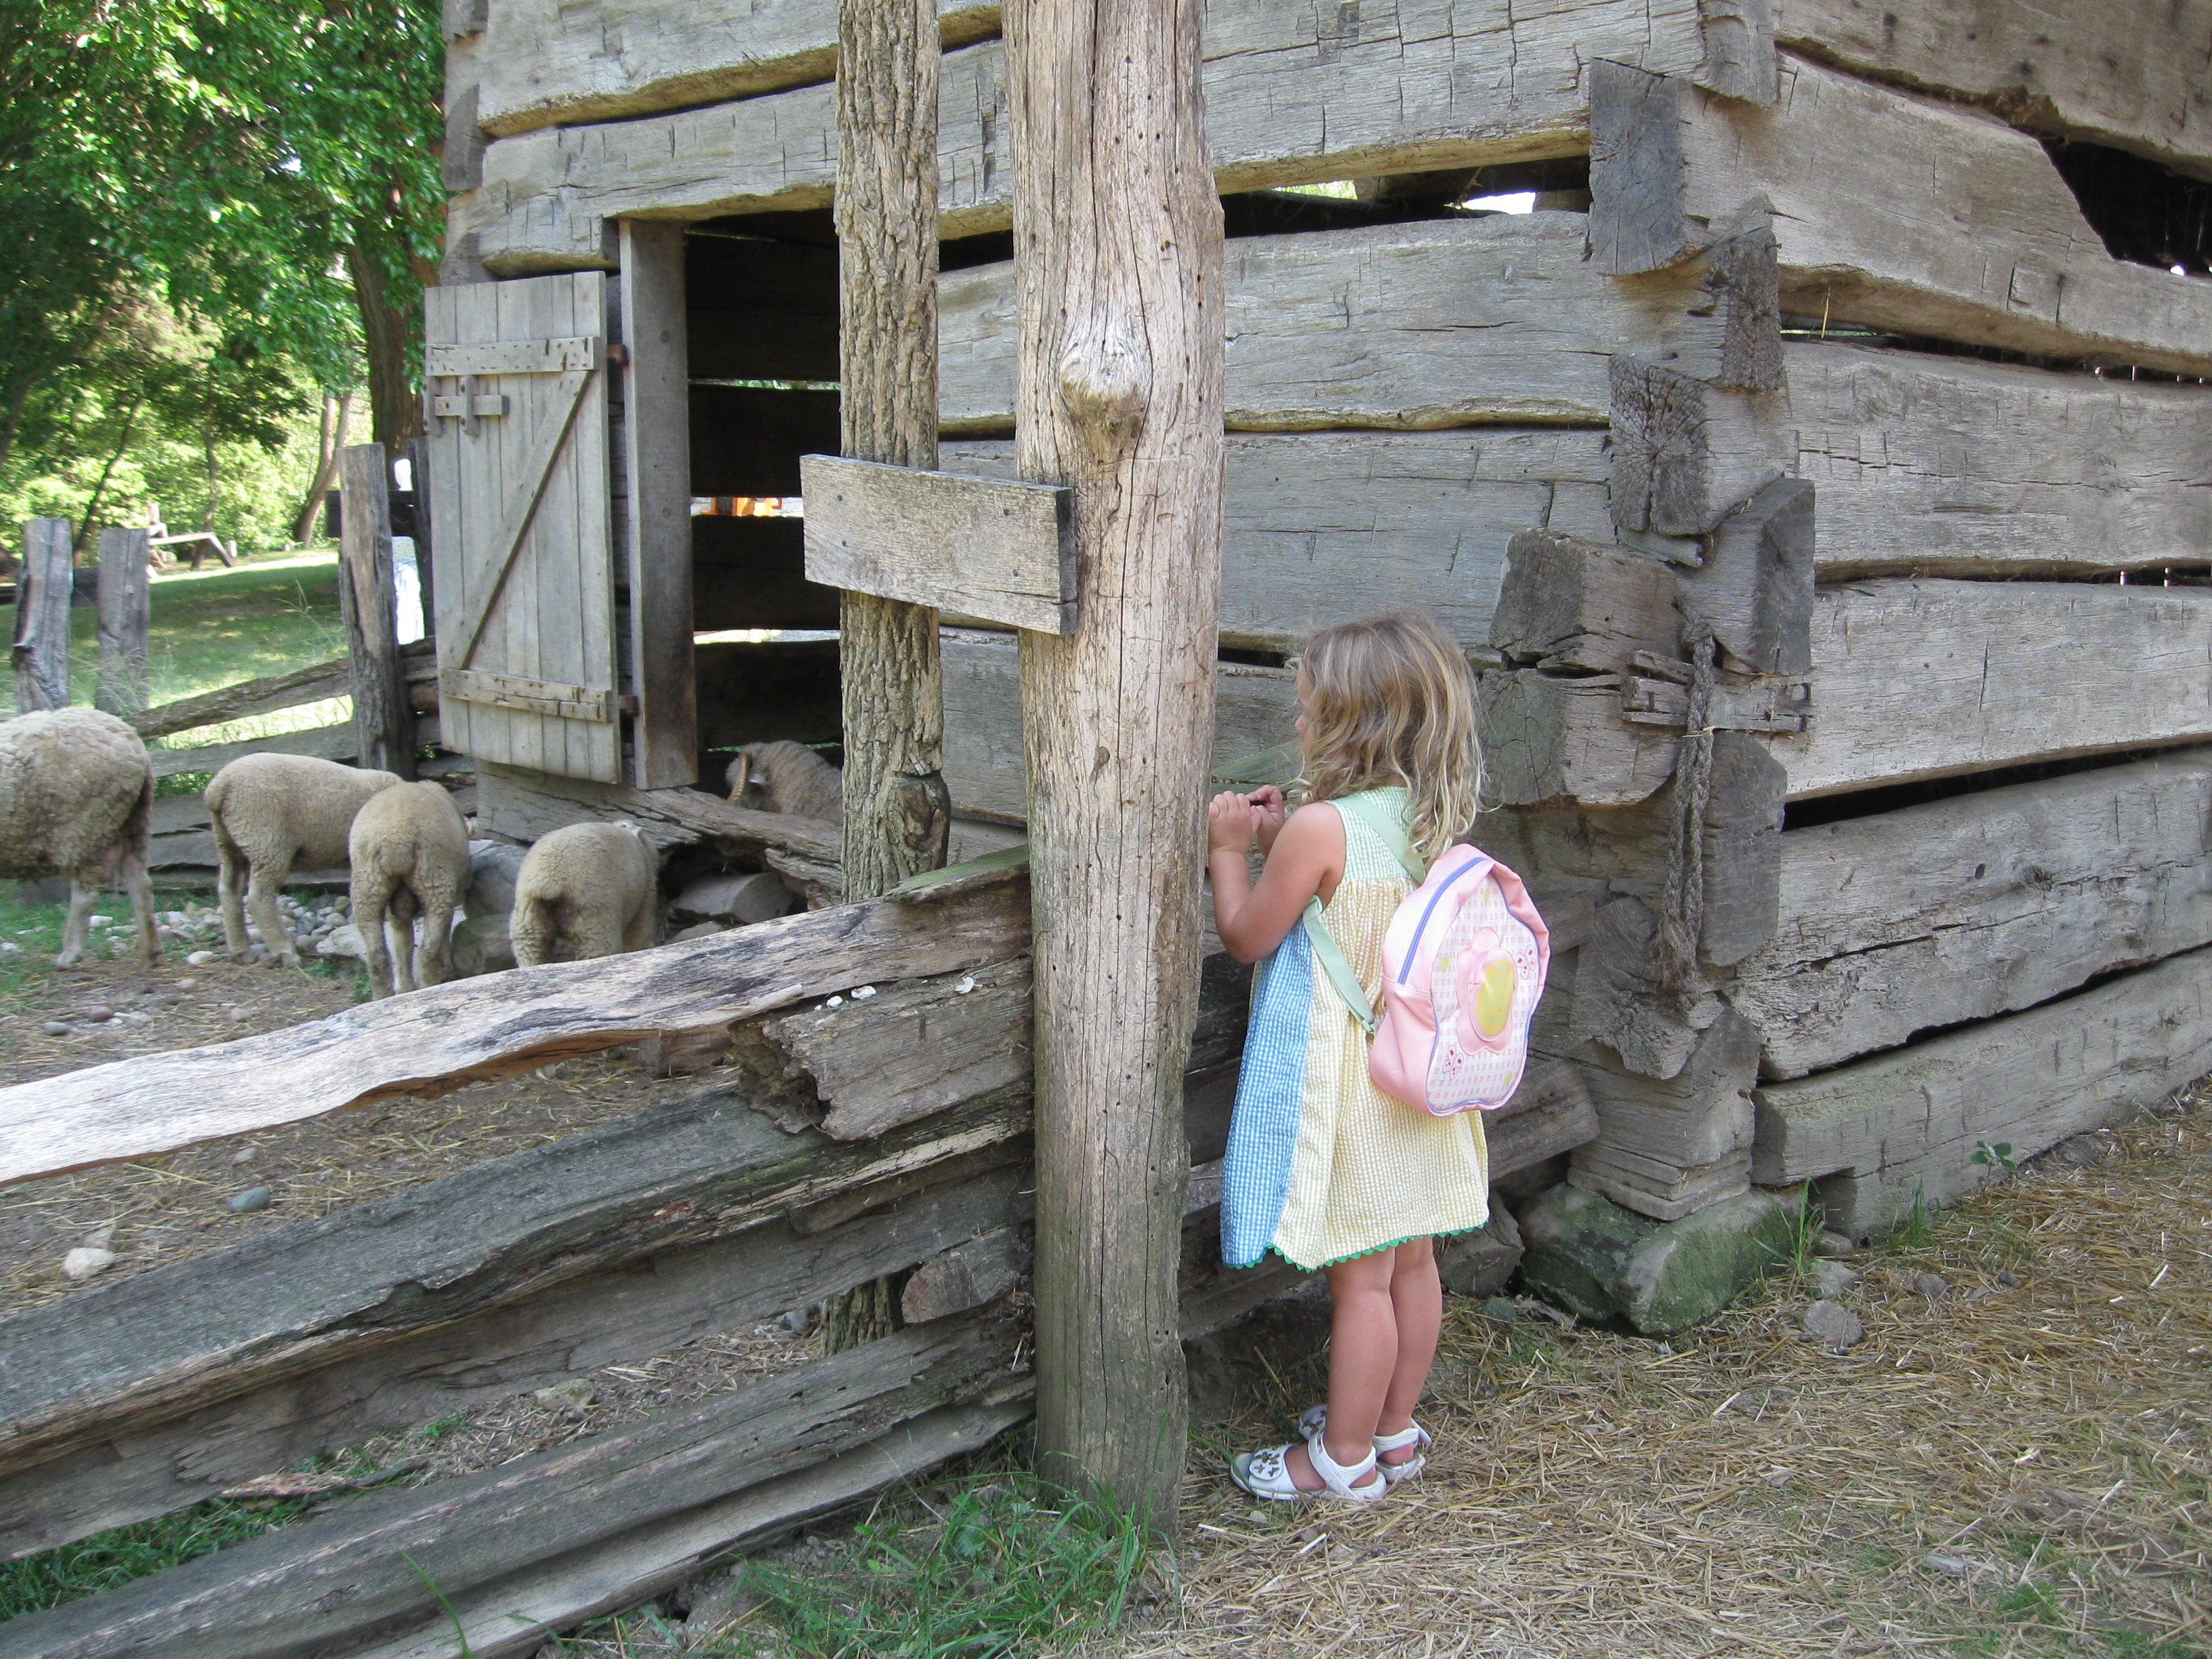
(1322, 1165)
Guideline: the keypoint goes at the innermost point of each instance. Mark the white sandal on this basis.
(1268, 1474)
(1315, 1420)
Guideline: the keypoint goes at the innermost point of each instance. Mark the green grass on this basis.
(216, 627)
(115, 1558)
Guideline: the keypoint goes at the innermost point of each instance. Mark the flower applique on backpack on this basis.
(1463, 965)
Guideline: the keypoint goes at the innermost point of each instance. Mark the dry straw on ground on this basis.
(2013, 1468)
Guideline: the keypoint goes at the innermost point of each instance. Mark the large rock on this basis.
(1482, 1262)
(493, 867)
(1611, 1266)
(740, 899)
(481, 945)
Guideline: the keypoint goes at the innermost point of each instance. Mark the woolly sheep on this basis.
(75, 794)
(592, 890)
(787, 777)
(409, 851)
(271, 811)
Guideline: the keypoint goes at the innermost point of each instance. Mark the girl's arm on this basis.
(1305, 861)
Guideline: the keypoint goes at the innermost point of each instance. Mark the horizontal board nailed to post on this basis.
(334, 1583)
(1294, 94)
(490, 1026)
(1958, 909)
(994, 548)
(1910, 1121)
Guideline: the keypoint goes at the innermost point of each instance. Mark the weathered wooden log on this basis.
(384, 727)
(1665, 1148)
(1983, 241)
(2117, 74)
(1876, 1133)
(492, 1026)
(1686, 452)
(1291, 97)
(969, 1275)
(1931, 679)
(1754, 592)
(1435, 324)
(1946, 466)
(1952, 911)
(126, 614)
(229, 1365)
(1323, 527)
(1553, 737)
(40, 651)
(1567, 605)
(1742, 850)
(1253, 709)
(246, 698)
(337, 742)
(527, 805)
(379, 1567)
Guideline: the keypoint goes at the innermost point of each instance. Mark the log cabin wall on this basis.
(1834, 364)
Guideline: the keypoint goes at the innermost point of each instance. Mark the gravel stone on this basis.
(1934, 1286)
(83, 1262)
(56, 1028)
(1833, 1326)
(1833, 1279)
(1830, 1243)
(252, 1199)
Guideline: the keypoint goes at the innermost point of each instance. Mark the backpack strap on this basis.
(1326, 951)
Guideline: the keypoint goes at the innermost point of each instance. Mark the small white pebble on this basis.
(861, 993)
(834, 1002)
(101, 921)
(188, 985)
(8, 948)
(966, 984)
(82, 1263)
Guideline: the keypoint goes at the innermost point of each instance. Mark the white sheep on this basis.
(409, 851)
(77, 792)
(787, 777)
(271, 811)
(588, 890)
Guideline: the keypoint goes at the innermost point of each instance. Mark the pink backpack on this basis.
(1463, 962)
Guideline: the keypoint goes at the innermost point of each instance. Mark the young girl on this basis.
(1322, 1168)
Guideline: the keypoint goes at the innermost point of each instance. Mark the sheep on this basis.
(409, 851)
(593, 888)
(270, 811)
(787, 777)
(77, 795)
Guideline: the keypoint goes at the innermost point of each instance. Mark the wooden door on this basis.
(521, 492)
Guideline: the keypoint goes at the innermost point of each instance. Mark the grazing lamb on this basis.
(589, 890)
(271, 811)
(76, 794)
(409, 851)
(787, 777)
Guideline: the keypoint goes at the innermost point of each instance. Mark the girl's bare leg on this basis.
(1417, 1301)
(1363, 1361)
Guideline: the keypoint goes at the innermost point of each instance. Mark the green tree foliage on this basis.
(215, 208)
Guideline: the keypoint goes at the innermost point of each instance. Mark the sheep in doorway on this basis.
(76, 792)
(588, 890)
(271, 811)
(787, 777)
(409, 851)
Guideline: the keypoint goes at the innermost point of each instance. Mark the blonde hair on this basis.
(1391, 700)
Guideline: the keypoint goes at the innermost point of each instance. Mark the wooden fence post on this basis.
(418, 468)
(383, 724)
(126, 601)
(1117, 273)
(42, 615)
(898, 816)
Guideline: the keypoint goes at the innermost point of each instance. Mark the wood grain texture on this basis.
(1421, 326)
(1686, 452)
(1754, 594)
(360, 1574)
(1738, 41)
(1553, 737)
(1326, 528)
(1926, 679)
(1960, 910)
(1943, 466)
(1979, 240)
(126, 614)
(2130, 76)
(1909, 1121)
(552, 63)
(40, 651)
(317, 1336)
(994, 548)
(1293, 95)
(383, 727)
(338, 742)
(1567, 603)
(983, 758)
(1666, 1147)
(490, 1025)
(1119, 396)
(657, 523)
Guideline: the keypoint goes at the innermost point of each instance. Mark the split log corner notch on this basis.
(997, 550)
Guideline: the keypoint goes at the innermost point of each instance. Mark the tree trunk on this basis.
(388, 336)
(326, 465)
(92, 505)
(1118, 271)
(897, 815)
(383, 723)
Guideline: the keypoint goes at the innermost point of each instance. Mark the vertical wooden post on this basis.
(383, 724)
(1117, 277)
(899, 818)
(42, 615)
(126, 602)
(657, 436)
(418, 468)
